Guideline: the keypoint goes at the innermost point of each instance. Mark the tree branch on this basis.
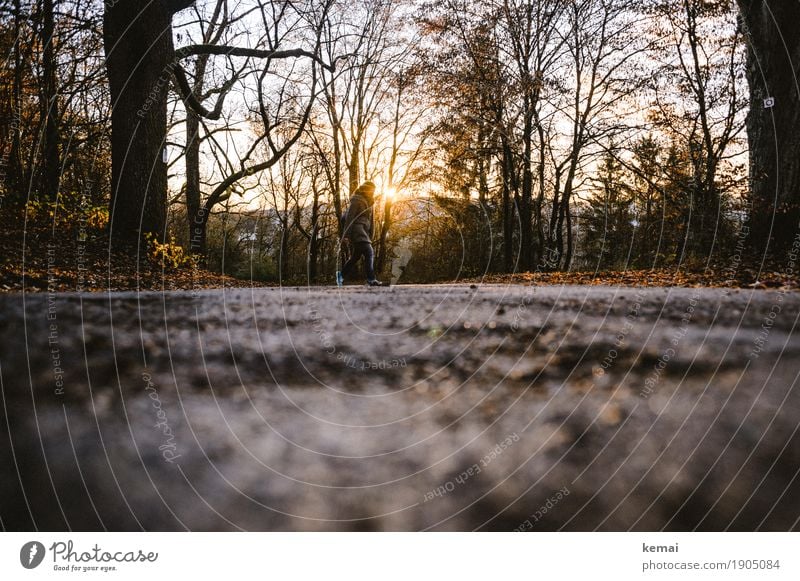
(191, 100)
(197, 49)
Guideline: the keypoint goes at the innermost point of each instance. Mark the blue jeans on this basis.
(361, 249)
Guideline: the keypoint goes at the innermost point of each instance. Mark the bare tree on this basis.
(141, 59)
(278, 102)
(601, 43)
(530, 39)
(356, 94)
(473, 133)
(404, 147)
(699, 104)
(212, 30)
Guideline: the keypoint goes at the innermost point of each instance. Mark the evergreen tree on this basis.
(609, 221)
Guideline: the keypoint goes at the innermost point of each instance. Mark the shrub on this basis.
(170, 255)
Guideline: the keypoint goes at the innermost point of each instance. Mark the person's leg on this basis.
(369, 261)
(351, 263)
(342, 257)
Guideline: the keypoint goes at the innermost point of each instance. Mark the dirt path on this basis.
(416, 407)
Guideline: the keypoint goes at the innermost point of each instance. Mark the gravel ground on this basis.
(453, 407)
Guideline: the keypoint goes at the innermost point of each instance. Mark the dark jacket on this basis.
(358, 219)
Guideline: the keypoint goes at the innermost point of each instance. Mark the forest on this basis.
(504, 136)
(588, 216)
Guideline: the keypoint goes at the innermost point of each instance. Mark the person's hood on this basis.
(367, 190)
(365, 194)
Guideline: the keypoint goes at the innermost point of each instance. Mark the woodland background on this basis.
(506, 136)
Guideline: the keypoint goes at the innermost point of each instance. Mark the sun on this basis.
(390, 192)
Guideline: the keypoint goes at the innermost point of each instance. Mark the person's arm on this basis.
(361, 212)
(350, 216)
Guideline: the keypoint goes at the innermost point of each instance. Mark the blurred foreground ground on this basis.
(448, 407)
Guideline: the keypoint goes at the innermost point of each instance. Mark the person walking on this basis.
(358, 226)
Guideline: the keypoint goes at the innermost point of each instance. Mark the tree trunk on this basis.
(197, 230)
(568, 256)
(138, 46)
(773, 128)
(559, 241)
(51, 160)
(335, 181)
(386, 223)
(283, 263)
(538, 256)
(552, 257)
(353, 168)
(16, 175)
(526, 234)
(193, 199)
(336, 186)
(313, 242)
(485, 230)
(508, 218)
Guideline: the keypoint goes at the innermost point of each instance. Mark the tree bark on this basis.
(138, 45)
(526, 234)
(353, 168)
(196, 223)
(386, 223)
(508, 216)
(313, 242)
(15, 179)
(773, 53)
(538, 256)
(51, 159)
